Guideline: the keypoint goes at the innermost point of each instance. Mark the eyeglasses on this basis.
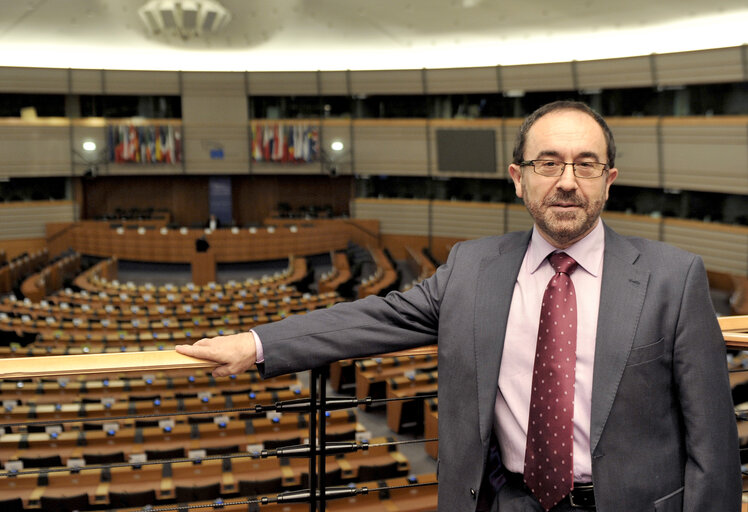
(554, 168)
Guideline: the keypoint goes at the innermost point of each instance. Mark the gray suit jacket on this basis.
(663, 432)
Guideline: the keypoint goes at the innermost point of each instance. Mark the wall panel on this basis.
(28, 219)
(707, 154)
(387, 82)
(334, 83)
(633, 225)
(142, 82)
(723, 248)
(706, 66)
(33, 80)
(300, 83)
(467, 220)
(637, 151)
(392, 149)
(614, 73)
(87, 81)
(395, 216)
(462, 80)
(33, 149)
(537, 77)
(517, 218)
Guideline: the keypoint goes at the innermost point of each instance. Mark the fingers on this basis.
(236, 353)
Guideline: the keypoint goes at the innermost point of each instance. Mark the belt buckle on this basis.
(582, 500)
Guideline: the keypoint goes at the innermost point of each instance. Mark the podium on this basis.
(203, 267)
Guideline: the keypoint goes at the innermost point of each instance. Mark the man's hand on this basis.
(235, 352)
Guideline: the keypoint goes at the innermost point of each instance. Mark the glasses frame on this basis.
(531, 163)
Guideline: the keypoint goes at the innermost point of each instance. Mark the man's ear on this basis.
(516, 173)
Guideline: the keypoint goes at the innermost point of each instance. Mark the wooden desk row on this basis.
(171, 482)
(13, 272)
(51, 278)
(408, 497)
(340, 273)
(53, 392)
(49, 449)
(52, 412)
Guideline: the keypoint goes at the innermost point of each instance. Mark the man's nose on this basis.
(567, 180)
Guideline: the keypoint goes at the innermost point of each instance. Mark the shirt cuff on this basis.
(260, 355)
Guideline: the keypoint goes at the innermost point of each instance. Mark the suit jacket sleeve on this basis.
(712, 471)
(373, 325)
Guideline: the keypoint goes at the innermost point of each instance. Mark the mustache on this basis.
(566, 198)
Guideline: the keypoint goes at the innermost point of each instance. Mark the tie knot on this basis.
(562, 263)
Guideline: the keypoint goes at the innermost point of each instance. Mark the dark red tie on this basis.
(549, 471)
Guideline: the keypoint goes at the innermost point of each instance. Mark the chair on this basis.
(41, 462)
(132, 499)
(11, 505)
(257, 487)
(222, 450)
(173, 453)
(380, 472)
(188, 494)
(65, 503)
(103, 458)
(270, 444)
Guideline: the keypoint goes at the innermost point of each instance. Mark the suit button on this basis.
(472, 492)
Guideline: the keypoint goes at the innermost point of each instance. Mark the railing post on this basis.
(312, 440)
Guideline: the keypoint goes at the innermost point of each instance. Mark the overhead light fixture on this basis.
(185, 19)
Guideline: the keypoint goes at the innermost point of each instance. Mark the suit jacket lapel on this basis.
(621, 299)
(497, 275)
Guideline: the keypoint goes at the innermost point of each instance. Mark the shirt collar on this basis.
(587, 252)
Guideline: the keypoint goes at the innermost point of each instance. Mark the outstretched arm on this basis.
(235, 352)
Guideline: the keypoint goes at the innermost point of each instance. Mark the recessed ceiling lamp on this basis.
(185, 19)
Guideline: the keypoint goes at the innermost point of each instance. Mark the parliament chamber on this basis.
(381, 216)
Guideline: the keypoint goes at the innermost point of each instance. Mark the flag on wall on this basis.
(145, 144)
(295, 143)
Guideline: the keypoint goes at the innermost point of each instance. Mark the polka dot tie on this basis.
(549, 471)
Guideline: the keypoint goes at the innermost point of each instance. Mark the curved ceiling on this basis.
(352, 34)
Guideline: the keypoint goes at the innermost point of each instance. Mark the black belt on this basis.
(581, 496)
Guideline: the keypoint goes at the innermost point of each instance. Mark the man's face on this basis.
(565, 208)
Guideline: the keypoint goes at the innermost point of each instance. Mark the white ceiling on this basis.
(378, 34)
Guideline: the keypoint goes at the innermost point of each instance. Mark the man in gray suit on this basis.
(653, 422)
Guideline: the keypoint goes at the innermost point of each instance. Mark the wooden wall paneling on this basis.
(202, 140)
(633, 225)
(18, 246)
(407, 81)
(509, 131)
(32, 149)
(214, 116)
(86, 81)
(283, 83)
(34, 80)
(28, 219)
(518, 218)
(142, 82)
(723, 248)
(186, 197)
(697, 67)
(390, 148)
(637, 151)
(462, 80)
(472, 124)
(334, 83)
(395, 216)
(614, 73)
(467, 220)
(537, 77)
(707, 154)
